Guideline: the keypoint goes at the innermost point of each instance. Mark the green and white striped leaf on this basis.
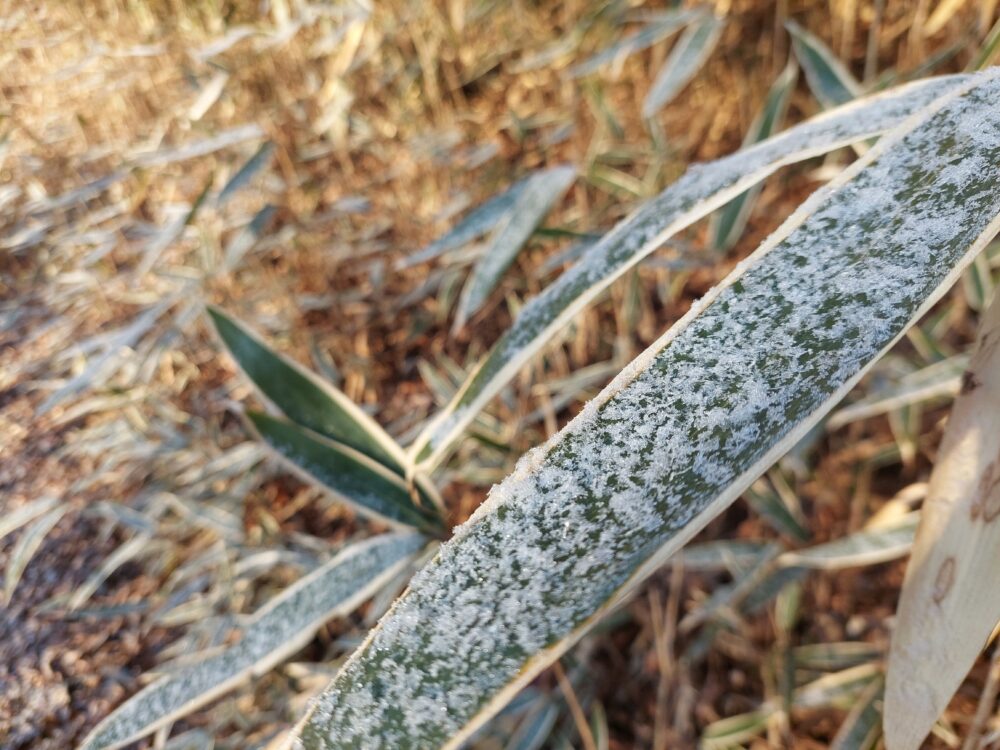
(950, 601)
(865, 547)
(303, 397)
(690, 52)
(478, 222)
(670, 22)
(863, 725)
(677, 436)
(730, 221)
(276, 631)
(542, 191)
(831, 83)
(350, 475)
(701, 190)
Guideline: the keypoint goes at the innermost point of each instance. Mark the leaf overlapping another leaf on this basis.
(678, 436)
(701, 190)
(277, 630)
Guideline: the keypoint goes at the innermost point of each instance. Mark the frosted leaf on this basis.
(542, 191)
(686, 58)
(697, 193)
(677, 436)
(277, 630)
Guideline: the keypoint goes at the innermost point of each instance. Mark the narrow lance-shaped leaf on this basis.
(677, 436)
(303, 397)
(478, 222)
(869, 546)
(950, 601)
(351, 476)
(245, 173)
(831, 83)
(701, 190)
(537, 198)
(728, 224)
(646, 37)
(690, 52)
(276, 631)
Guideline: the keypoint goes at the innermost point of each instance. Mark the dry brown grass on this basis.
(380, 128)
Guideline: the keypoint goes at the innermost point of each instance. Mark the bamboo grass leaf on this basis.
(350, 475)
(478, 222)
(730, 221)
(302, 396)
(245, 173)
(831, 83)
(863, 725)
(539, 195)
(686, 58)
(677, 437)
(950, 603)
(865, 547)
(701, 190)
(649, 35)
(276, 631)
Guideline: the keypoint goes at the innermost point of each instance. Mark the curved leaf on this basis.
(351, 476)
(302, 396)
(730, 221)
(701, 190)
(831, 83)
(541, 193)
(276, 631)
(690, 52)
(677, 436)
(670, 22)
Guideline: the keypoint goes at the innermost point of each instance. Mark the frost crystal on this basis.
(279, 628)
(694, 417)
(701, 190)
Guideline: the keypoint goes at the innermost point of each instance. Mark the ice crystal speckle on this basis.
(702, 189)
(568, 529)
(276, 630)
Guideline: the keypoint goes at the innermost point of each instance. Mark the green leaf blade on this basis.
(302, 396)
(542, 192)
(701, 190)
(685, 60)
(348, 474)
(831, 83)
(677, 437)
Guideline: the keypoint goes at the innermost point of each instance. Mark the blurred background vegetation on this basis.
(284, 158)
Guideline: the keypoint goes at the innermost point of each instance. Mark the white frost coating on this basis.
(684, 62)
(281, 627)
(701, 190)
(644, 466)
(536, 199)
